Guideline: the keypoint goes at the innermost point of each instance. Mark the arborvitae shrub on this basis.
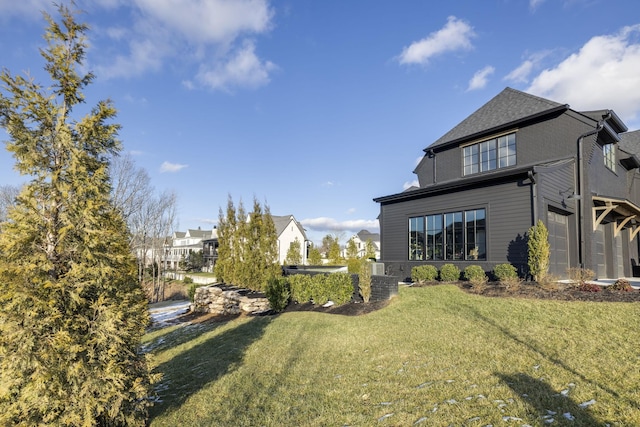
(364, 280)
(278, 293)
(424, 273)
(539, 251)
(353, 265)
(301, 286)
(449, 273)
(475, 274)
(340, 287)
(505, 272)
(320, 292)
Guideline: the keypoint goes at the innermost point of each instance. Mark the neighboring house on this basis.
(210, 251)
(288, 229)
(181, 244)
(517, 159)
(360, 239)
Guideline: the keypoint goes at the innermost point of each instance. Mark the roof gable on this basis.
(507, 108)
(281, 223)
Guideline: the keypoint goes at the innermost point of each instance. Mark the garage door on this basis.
(559, 243)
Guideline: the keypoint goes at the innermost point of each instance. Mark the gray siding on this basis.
(536, 143)
(508, 209)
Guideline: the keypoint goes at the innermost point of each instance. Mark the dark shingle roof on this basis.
(630, 142)
(281, 222)
(365, 235)
(508, 107)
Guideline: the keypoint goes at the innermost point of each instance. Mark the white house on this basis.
(288, 230)
(361, 238)
(182, 244)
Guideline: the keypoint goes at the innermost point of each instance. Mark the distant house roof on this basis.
(281, 222)
(203, 234)
(506, 109)
(365, 235)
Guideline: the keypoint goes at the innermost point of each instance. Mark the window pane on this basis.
(458, 236)
(434, 237)
(416, 238)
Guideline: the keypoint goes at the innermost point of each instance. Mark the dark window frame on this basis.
(609, 154)
(491, 154)
(459, 235)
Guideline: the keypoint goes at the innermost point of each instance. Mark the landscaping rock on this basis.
(215, 299)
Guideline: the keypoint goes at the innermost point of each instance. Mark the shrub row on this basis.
(473, 273)
(303, 288)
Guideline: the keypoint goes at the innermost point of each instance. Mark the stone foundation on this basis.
(219, 299)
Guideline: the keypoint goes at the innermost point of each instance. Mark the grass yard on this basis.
(435, 356)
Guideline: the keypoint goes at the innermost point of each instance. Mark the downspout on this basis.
(579, 183)
(534, 195)
(432, 155)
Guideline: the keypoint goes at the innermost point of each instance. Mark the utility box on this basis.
(377, 268)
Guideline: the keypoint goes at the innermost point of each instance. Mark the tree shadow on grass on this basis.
(555, 360)
(548, 403)
(190, 371)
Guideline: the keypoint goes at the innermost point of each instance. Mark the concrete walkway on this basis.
(634, 281)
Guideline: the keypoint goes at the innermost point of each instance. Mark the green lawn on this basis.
(435, 356)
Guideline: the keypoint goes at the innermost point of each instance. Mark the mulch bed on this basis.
(558, 292)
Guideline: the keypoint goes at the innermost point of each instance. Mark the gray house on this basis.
(517, 159)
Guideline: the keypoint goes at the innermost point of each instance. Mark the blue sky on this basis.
(317, 107)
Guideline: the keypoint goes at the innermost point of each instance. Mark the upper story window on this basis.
(609, 153)
(489, 155)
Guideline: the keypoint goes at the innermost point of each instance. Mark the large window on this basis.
(489, 155)
(448, 236)
(609, 153)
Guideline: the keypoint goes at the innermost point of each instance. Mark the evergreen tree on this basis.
(352, 249)
(71, 310)
(369, 249)
(315, 257)
(226, 229)
(539, 251)
(333, 255)
(269, 247)
(293, 253)
(254, 261)
(240, 275)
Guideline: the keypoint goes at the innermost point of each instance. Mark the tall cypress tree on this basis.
(71, 310)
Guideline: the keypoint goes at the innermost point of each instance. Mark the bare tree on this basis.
(151, 217)
(8, 194)
(131, 185)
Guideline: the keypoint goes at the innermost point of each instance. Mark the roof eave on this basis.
(453, 185)
(495, 129)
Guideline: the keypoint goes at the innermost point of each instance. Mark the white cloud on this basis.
(351, 211)
(330, 224)
(602, 74)
(171, 167)
(480, 78)
(533, 4)
(209, 21)
(190, 31)
(409, 184)
(455, 35)
(243, 69)
(27, 8)
(523, 71)
(520, 74)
